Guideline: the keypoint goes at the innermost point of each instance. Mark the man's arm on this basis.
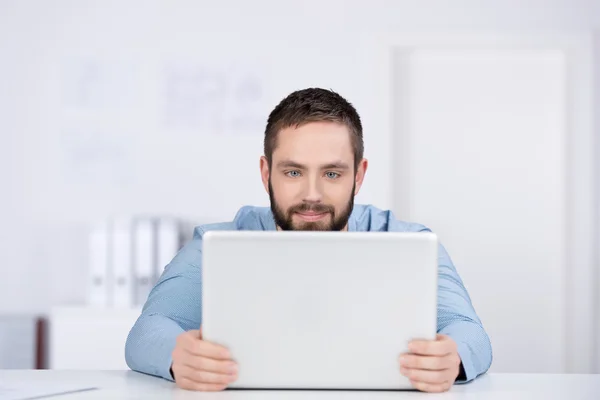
(457, 318)
(173, 307)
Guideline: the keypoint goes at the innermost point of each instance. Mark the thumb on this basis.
(200, 333)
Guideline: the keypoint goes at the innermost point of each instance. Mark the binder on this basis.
(122, 263)
(144, 258)
(168, 242)
(99, 265)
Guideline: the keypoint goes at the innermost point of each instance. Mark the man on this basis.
(312, 168)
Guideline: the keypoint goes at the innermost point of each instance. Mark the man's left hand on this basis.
(431, 365)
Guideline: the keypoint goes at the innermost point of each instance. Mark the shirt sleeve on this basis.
(173, 307)
(457, 318)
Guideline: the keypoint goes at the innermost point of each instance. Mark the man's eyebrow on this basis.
(336, 165)
(293, 164)
(290, 164)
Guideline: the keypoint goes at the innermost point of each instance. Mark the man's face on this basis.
(312, 181)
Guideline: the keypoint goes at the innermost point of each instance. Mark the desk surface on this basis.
(131, 385)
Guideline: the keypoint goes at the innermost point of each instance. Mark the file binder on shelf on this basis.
(144, 259)
(122, 263)
(127, 256)
(99, 249)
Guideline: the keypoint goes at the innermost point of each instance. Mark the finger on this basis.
(439, 347)
(207, 349)
(425, 362)
(210, 377)
(426, 376)
(431, 387)
(210, 365)
(183, 372)
(188, 384)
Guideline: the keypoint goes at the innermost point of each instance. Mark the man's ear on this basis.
(265, 172)
(361, 170)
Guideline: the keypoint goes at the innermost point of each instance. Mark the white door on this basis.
(488, 147)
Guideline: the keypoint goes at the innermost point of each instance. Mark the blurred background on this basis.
(125, 123)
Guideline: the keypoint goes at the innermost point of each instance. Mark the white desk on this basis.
(121, 385)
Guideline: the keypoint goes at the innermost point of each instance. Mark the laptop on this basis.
(319, 310)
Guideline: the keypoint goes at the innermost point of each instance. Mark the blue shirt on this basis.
(174, 304)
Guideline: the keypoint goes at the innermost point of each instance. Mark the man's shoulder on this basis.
(373, 219)
(247, 218)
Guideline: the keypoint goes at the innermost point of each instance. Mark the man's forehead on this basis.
(308, 140)
(313, 155)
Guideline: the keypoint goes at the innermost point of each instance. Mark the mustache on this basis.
(308, 207)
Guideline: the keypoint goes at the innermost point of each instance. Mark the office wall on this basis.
(129, 145)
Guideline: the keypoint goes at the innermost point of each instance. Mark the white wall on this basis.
(48, 197)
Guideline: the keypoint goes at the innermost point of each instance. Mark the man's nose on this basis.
(313, 191)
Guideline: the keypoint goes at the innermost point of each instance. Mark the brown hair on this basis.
(313, 105)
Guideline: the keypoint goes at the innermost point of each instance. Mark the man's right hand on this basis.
(201, 365)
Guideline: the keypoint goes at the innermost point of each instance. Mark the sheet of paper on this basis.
(27, 391)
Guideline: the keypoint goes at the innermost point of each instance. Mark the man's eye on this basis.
(332, 175)
(293, 174)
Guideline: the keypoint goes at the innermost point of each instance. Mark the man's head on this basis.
(313, 164)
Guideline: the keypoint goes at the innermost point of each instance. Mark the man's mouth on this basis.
(311, 216)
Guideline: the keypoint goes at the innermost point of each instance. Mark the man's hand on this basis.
(201, 365)
(431, 365)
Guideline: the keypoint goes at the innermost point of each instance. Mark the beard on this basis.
(284, 218)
